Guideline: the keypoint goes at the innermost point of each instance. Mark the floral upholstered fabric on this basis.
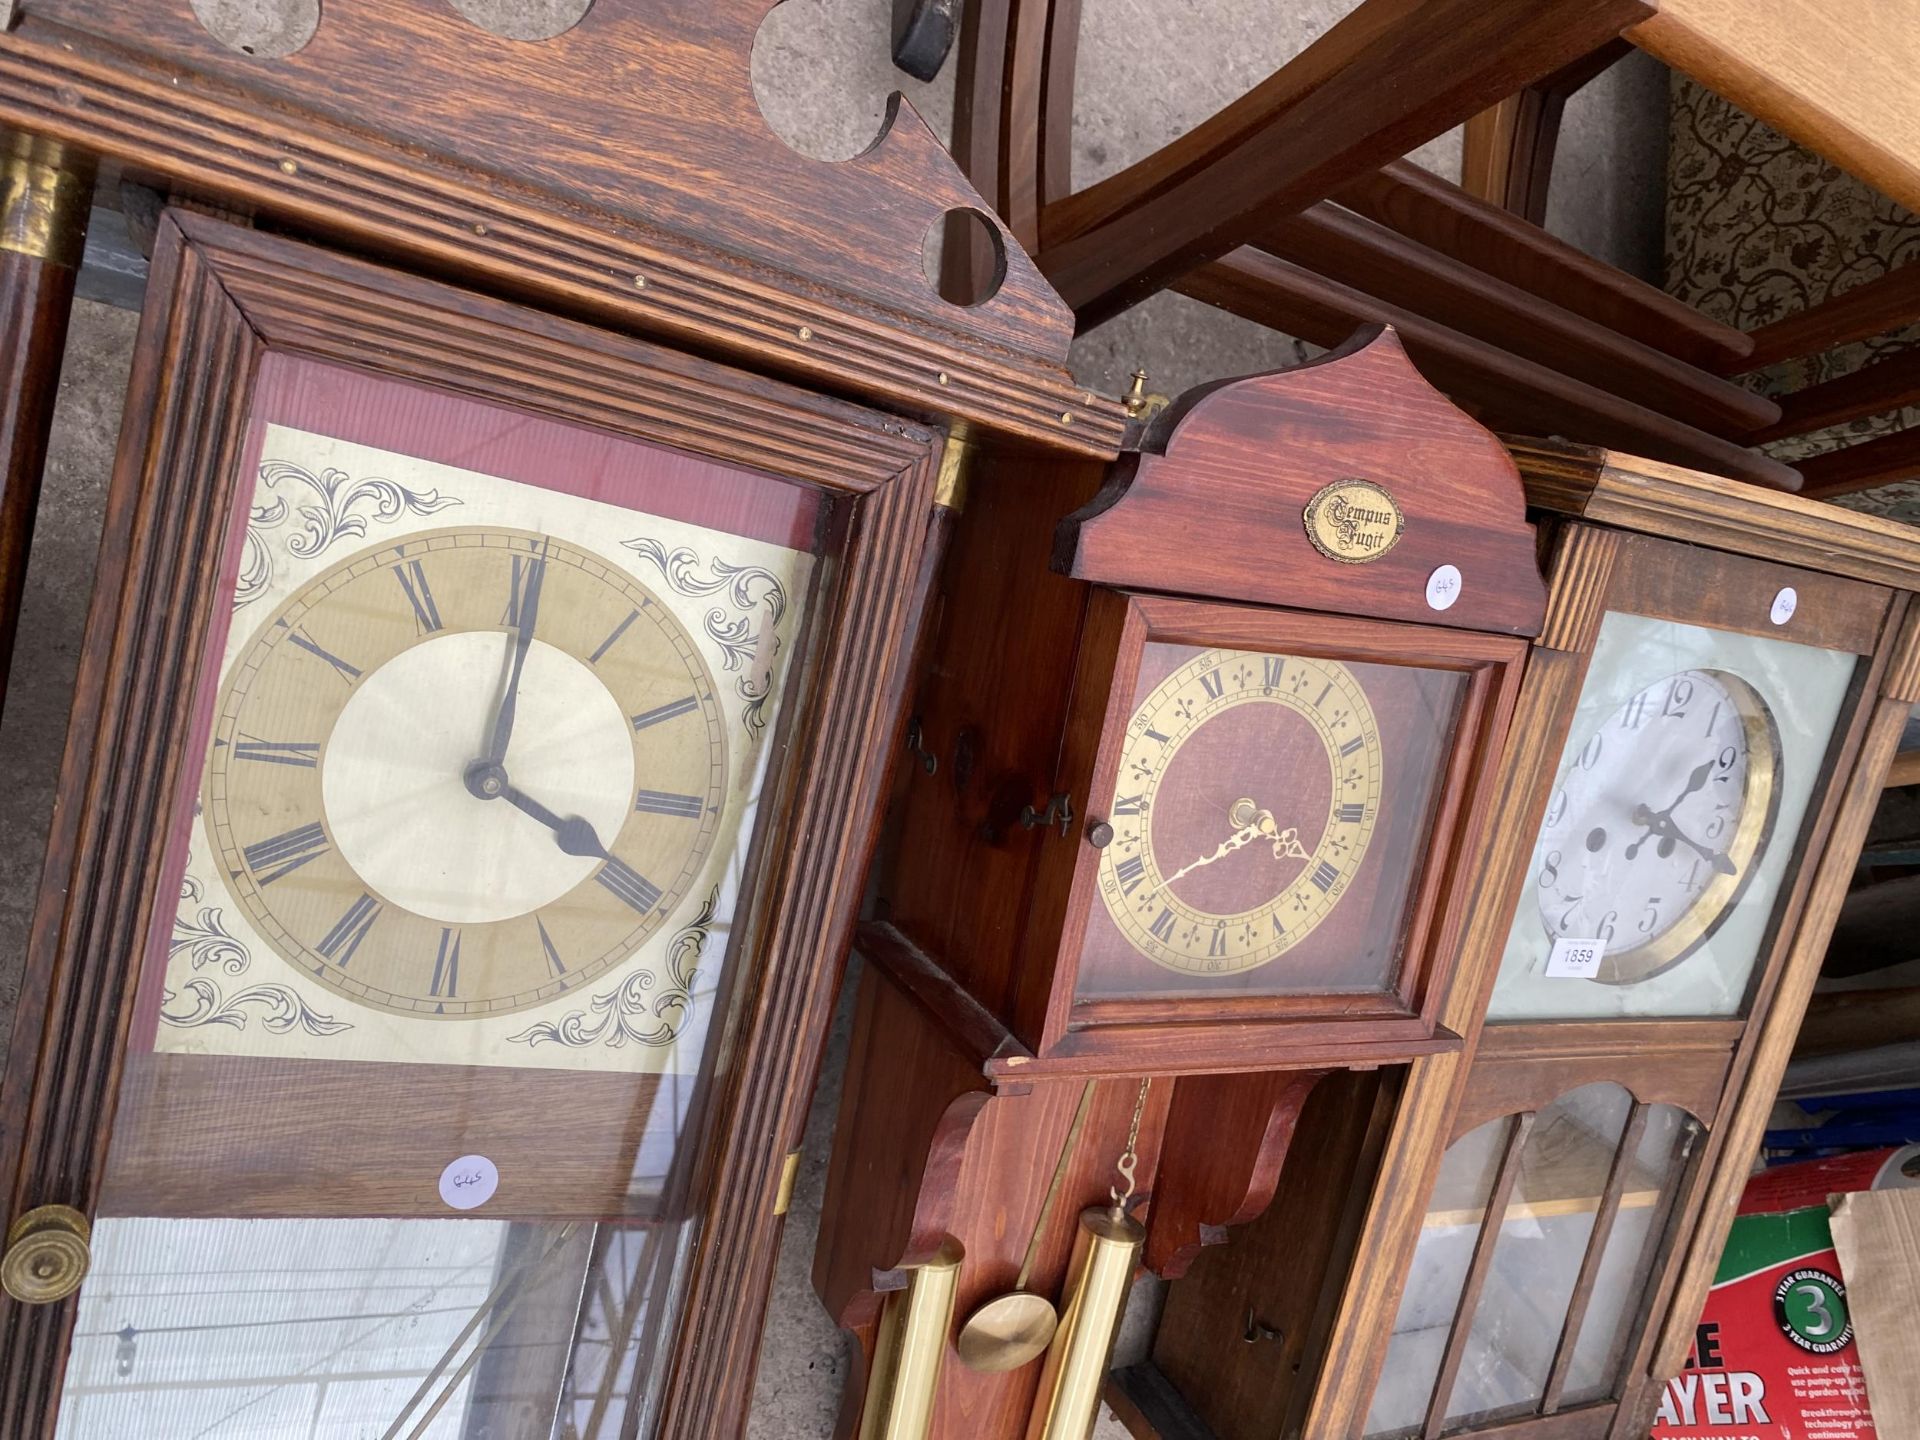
(1758, 228)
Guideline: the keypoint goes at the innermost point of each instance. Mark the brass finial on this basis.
(1141, 403)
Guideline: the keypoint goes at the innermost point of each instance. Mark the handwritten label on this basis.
(1443, 587)
(469, 1182)
(1574, 959)
(1784, 604)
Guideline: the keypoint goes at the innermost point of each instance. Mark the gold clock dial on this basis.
(1249, 786)
(459, 775)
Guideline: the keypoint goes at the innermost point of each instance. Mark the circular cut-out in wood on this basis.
(265, 29)
(964, 257)
(524, 19)
(808, 84)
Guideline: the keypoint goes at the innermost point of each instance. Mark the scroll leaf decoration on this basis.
(330, 506)
(754, 597)
(200, 932)
(626, 1013)
(281, 1009)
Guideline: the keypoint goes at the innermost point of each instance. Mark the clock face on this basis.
(1658, 822)
(1249, 788)
(458, 774)
(1691, 753)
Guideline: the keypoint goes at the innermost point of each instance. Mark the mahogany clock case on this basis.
(248, 336)
(1601, 1157)
(999, 851)
(977, 1036)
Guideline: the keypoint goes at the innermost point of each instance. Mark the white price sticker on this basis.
(1784, 604)
(1443, 587)
(469, 1182)
(1574, 959)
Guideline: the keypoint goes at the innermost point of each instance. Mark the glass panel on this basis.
(411, 1131)
(1613, 1309)
(1438, 1275)
(1266, 806)
(1536, 1260)
(1687, 773)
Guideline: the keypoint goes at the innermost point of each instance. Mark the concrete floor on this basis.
(1148, 73)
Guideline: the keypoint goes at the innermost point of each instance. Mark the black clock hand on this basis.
(527, 615)
(1663, 825)
(1650, 818)
(572, 834)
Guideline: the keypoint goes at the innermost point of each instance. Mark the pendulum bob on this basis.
(909, 1349)
(1098, 1278)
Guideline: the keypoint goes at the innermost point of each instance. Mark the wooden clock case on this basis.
(1650, 539)
(969, 1055)
(502, 219)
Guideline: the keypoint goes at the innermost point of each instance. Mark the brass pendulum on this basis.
(1098, 1279)
(1011, 1330)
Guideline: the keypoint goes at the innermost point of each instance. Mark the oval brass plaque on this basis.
(1354, 521)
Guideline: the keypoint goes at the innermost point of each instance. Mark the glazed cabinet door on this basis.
(433, 954)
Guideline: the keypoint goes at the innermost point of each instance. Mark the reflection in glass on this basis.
(450, 1329)
(1689, 767)
(1536, 1259)
(1555, 1305)
(1625, 1264)
(1439, 1274)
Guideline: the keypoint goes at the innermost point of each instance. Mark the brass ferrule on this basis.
(44, 200)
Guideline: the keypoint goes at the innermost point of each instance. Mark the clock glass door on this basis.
(414, 1109)
(1269, 817)
(1672, 823)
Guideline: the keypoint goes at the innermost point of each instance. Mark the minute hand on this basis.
(528, 616)
(1226, 847)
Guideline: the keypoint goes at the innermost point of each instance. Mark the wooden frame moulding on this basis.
(220, 298)
(548, 169)
(1244, 1032)
(1589, 564)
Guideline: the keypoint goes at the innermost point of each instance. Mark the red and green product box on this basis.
(1774, 1358)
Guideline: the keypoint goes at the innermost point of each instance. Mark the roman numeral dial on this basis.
(1248, 786)
(343, 802)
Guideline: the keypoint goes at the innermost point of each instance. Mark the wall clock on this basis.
(469, 697)
(1203, 821)
(1721, 681)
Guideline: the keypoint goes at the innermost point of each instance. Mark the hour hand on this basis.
(1663, 825)
(572, 834)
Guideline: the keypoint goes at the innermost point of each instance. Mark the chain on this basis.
(1129, 1159)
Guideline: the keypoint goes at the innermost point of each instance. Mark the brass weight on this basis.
(909, 1348)
(47, 1255)
(1098, 1279)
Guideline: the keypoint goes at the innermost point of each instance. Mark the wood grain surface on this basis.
(561, 169)
(1394, 76)
(1507, 390)
(36, 297)
(1653, 498)
(1213, 505)
(1843, 91)
(1441, 215)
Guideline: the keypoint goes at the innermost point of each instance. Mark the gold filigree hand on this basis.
(1255, 824)
(1245, 835)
